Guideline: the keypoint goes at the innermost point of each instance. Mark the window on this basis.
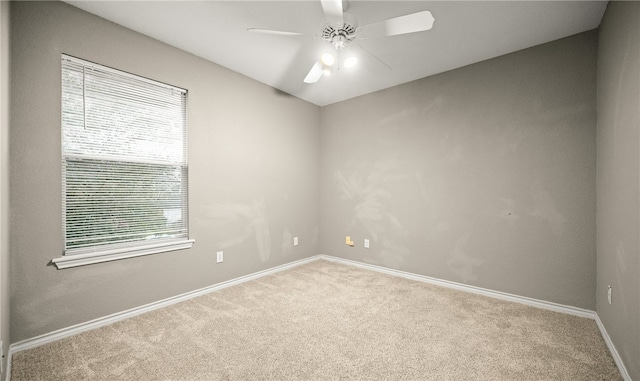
(124, 165)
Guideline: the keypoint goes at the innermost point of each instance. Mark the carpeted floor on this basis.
(327, 321)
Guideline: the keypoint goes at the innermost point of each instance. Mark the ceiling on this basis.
(464, 32)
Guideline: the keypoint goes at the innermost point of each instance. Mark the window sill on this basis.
(74, 260)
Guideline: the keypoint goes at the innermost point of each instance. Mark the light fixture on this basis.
(328, 59)
(350, 61)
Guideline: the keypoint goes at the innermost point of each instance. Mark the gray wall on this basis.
(618, 143)
(484, 175)
(254, 173)
(4, 179)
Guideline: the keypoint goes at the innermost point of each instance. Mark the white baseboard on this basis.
(613, 350)
(464, 287)
(110, 319)
(499, 295)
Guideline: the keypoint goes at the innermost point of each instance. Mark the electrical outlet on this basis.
(220, 256)
(366, 243)
(609, 293)
(295, 241)
(348, 241)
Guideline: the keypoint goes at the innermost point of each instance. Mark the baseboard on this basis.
(110, 319)
(613, 350)
(464, 287)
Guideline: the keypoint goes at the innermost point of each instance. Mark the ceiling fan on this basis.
(341, 28)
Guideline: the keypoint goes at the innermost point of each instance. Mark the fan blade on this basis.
(414, 22)
(314, 74)
(333, 11)
(277, 32)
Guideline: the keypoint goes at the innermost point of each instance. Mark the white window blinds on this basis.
(124, 161)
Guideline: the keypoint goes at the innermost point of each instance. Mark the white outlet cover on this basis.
(219, 256)
(295, 241)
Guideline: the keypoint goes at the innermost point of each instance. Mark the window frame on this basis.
(99, 253)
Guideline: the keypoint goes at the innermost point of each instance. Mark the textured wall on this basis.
(618, 143)
(4, 178)
(484, 175)
(254, 162)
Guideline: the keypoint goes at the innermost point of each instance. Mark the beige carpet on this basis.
(327, 321)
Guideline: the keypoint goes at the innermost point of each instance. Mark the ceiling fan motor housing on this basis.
(340, 35)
